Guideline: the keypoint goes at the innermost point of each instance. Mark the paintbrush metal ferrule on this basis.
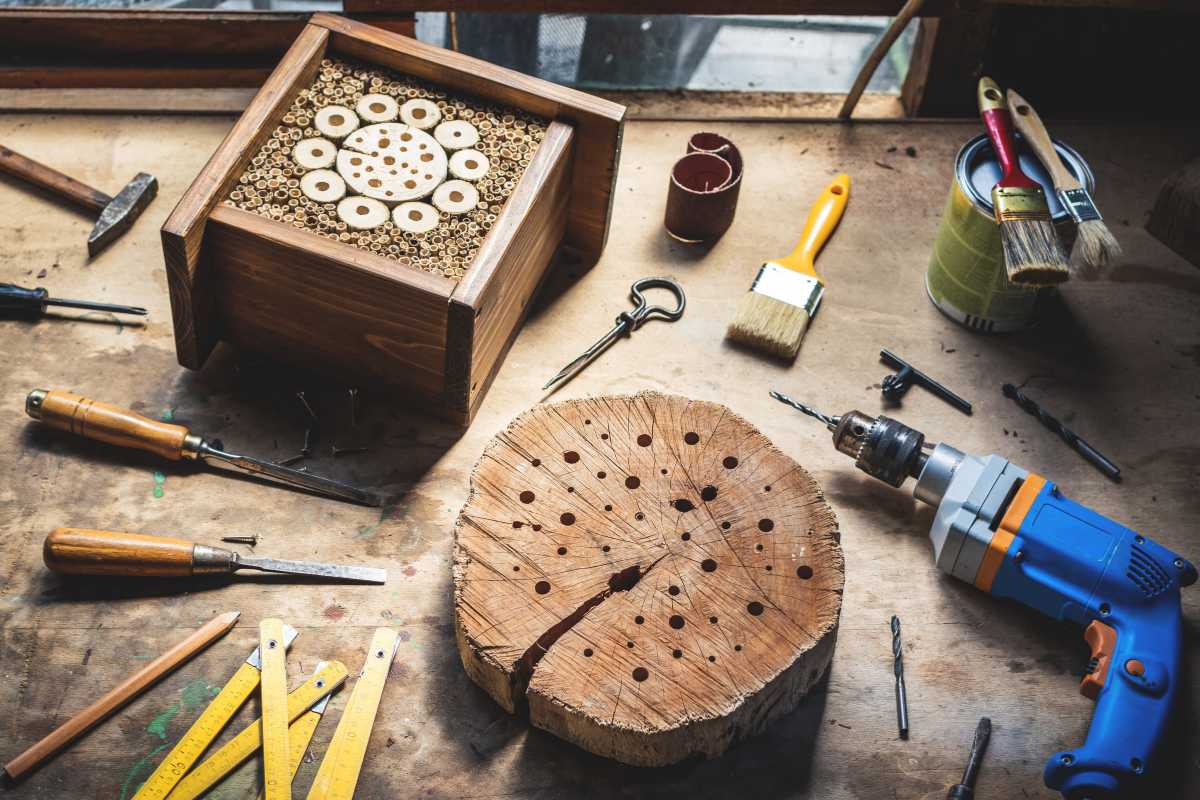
(1079, 205)
(789, 286)
(1020, 203)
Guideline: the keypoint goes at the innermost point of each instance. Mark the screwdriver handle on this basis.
(79, 551)
(109, 423)
(19, 300)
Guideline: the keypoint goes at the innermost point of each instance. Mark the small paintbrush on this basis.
(1032, 253)
(774, 315)
(1095, 245)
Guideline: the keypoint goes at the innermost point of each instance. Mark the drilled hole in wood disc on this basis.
(645, 640)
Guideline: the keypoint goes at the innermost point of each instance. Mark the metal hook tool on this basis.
(628, 322)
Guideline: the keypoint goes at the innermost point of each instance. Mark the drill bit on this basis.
(830, 422)
(898, 668)
(966, 789)
(1093, 456)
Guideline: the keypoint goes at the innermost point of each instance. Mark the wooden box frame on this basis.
(270, 287)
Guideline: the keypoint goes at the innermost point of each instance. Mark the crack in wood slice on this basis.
(649, 574)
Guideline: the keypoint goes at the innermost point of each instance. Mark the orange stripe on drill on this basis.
(1002, 539)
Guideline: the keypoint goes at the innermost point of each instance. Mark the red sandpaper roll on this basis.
(703, 192)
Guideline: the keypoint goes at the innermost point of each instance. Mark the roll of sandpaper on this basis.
(703, 192)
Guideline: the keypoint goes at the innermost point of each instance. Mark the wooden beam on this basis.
(880, 8)
(77, 48)
(947, 60)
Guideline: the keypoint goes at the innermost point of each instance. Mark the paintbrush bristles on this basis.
(769, 325)
(1095, 247)
(1032, 253)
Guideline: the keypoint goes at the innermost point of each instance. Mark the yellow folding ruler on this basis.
(329, 676)
(207, 726)
(277, 773)
(300, 735)
(338, 773)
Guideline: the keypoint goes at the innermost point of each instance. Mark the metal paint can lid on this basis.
(977, 171)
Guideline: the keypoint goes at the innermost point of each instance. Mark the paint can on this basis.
(966, 278)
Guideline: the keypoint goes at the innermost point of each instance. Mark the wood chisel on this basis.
(338, 773)
(79, 551)
(125, 428)
(328, 676)
(208, 726)
(272, 688)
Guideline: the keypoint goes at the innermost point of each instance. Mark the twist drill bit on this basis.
(966, 789)
(1094, 456)
(830, 422)
(898, 668)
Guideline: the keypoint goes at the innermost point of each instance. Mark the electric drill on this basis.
(1012, 533)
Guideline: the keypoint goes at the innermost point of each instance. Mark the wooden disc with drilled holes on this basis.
(335, 122)
(392, 162)
(315, 153)
(323, 186)
(649, 574)
(377, 108)
(421, 113)
(362, 213)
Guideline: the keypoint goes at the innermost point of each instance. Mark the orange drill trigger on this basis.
(1103, 641)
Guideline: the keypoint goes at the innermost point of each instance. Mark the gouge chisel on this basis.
(79, 551)
(125, 428)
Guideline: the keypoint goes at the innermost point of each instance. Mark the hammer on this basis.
(116, 213)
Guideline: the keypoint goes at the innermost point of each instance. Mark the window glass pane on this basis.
(725, 53)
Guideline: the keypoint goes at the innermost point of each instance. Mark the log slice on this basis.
(648, 575)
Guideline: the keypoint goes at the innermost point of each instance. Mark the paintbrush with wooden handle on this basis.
(1095, 245)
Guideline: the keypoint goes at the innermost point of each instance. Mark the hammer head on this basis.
(121, 211)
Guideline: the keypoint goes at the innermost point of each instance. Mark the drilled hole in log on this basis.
(754, 607)
(729, 462)
(542, 587)
(640, 674)
(567, 518)
(708, 494)
(570, 456)
(691, 437)
(804, 572)
(644, 440)
(683, 504)
(633, 482)
(527, 496)
(766, 525)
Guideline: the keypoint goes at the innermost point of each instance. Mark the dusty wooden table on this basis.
(1120, 361)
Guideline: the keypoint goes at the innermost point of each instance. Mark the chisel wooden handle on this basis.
(1030, 125)
(79, 551)
(51, 180)
(106, 423)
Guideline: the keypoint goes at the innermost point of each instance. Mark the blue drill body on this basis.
(1014, 534)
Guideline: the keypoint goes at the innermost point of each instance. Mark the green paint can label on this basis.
(966, 278)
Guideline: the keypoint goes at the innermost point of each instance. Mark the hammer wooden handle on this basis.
(52, 180)
(79, 551)
(128, 689)
(106, 423)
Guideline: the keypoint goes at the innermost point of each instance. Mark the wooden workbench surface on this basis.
(1119, 361)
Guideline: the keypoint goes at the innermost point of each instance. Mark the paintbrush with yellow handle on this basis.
(774, 315)
(1095, 245)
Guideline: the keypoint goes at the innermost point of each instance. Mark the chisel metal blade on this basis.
(314, 483)
(328, 571)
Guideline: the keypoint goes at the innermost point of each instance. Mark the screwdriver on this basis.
(78, 551)
(17, 301)
(125, 428)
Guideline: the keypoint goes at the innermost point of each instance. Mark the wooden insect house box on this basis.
(384, 210)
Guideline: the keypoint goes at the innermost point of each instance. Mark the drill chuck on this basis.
(880, 446)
